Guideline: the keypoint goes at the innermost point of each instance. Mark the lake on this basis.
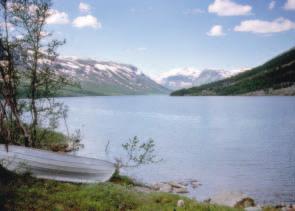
(244, 144)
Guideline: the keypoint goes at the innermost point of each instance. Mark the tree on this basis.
(31, 59)
(10, 114)
(138, 153)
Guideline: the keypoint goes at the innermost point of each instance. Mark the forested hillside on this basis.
(275, 77)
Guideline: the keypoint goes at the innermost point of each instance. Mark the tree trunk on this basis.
(34, 96)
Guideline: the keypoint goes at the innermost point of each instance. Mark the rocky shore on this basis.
(231, 199)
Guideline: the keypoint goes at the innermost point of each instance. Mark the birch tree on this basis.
(31, 61)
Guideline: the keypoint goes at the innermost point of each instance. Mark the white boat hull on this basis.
(61, 167)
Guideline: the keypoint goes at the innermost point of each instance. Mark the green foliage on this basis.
(137, 153)
(22, 192)
(276, 74)
(27, 70)
(26, 193)
(46, 139)
(122, 180)
(49, 138)
(140, 153)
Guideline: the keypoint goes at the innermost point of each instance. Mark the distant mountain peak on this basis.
(186, 71)
(188, 77)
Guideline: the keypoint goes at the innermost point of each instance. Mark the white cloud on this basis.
(229, 8)
(290, 5)
(83, 7)
(272, 5)
(194, 11)
(216, 31)
(87, 21)
(265, 27)
(57, 17)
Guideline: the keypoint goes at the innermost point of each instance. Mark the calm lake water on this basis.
(242, 144)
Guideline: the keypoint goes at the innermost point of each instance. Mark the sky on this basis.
(160, 35)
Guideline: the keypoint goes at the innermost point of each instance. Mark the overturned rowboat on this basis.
(61, 167)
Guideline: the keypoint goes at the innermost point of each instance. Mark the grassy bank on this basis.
(23, 192)
(48, 140)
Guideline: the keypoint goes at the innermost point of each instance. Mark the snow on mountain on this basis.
(108, 78)
(188, 77)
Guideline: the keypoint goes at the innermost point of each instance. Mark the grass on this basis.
(47, 140)
(122, 180)
(22, 192)
(52, 140)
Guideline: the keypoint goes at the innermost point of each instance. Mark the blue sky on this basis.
(160, 35)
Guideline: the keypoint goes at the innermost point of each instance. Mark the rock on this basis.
(168, 187)
(233, 199)
(280, 206)
(180, 190)
(180, 203)
(253, 209)
(69, 149)
(143, 189)
(184, 183)
(155, 187)
(176, 185)
(163, 187)
(291, 208)
(59, 147)
(195, 185)
(245, 202)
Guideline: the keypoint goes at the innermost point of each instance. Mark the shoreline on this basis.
(226, 198)
(182, 188)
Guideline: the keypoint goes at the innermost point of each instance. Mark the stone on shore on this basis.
(184, 183)
(180, 203)
(232, 199)
(289, 208)
(165, 188)
(170, 187)
(245, 202)
(180, 190)
(143, 189)
(195, 185)
(176, 185)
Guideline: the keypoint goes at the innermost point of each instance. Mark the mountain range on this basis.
(106, 78)
(275, 77)
(188, 77)
(112, 78)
